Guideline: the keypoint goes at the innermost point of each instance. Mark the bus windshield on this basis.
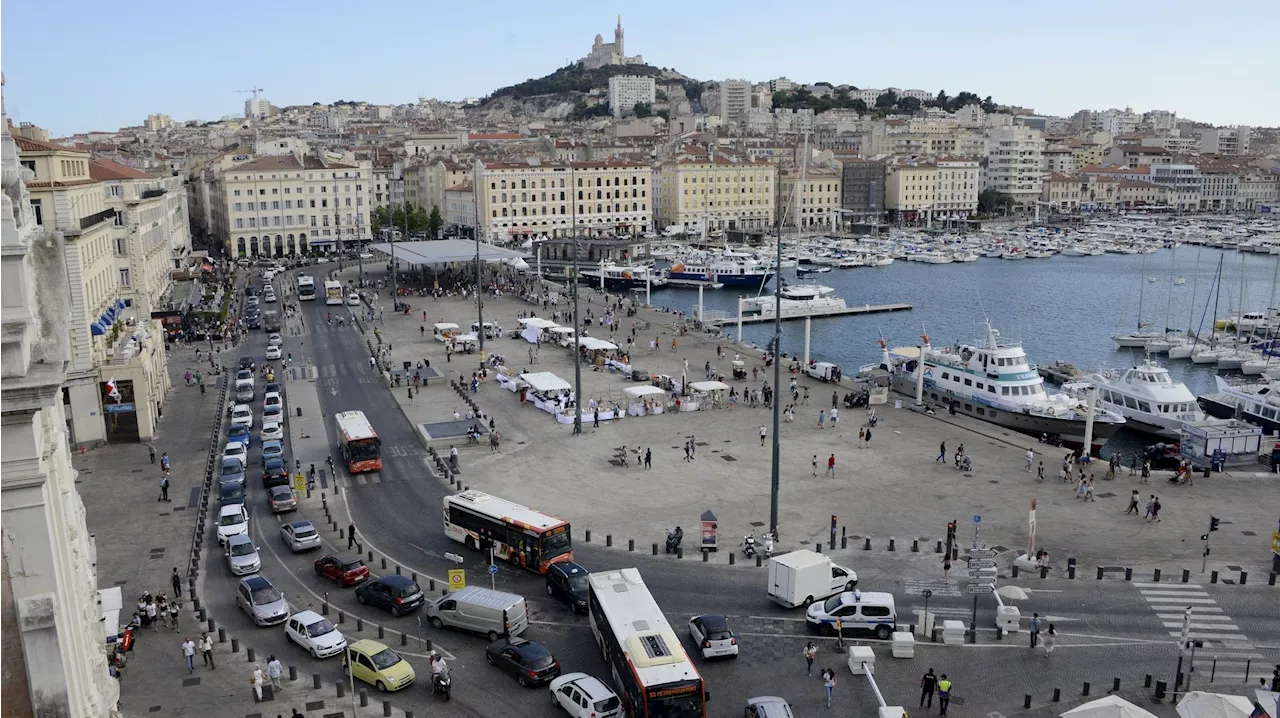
(363, 449)
(689, 706)
(556, 543)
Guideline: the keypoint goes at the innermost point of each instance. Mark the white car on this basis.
(236, 450)
(272, 399)
(242, 415)
(711, 634)
(274, 339)
(273, 352)
(366, 255)
(583, 696)
(242, 556)
(300, 535)
(233, 520)
(269, 297)
(315, 634)
(271, 431)
(353, 299)
(322, 260)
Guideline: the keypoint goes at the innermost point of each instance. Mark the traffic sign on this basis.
(982, 573)
(982, 563)
(977, 519)
(492, 569)
(457, 579)
(981, 588)
(981, 553)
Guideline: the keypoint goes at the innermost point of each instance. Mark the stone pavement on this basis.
(893, 488)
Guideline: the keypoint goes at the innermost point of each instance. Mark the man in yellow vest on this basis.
(944, 694)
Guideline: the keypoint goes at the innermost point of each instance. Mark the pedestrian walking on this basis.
(1040, 473)
(831, 466)
(152, 615)
(596, 422)
(822, 418)
(206, 650)
(176, 581)
(164, 489)
(944, 694)
(174, 610)
(1034, 629)
(861, 433)
(274, 670)
(351, 536)
(151, 451)
(686, 451)
(1133, 503)
(828, 683)
(839, 634)
(942, 453)
(1155, 509)
(648, 458)
(928, 682)
(189, 654)
(805, 400)
(1146, 473)
(1031, 457)
(763, 433)
(815, 464)
(946, 568)
(256, 679)
(810, 652)
(164, 462)
(1050, 639)
(866, 439)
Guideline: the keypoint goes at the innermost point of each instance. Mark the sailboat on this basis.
(1143, 336)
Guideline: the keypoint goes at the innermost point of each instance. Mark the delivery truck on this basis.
(801, 577)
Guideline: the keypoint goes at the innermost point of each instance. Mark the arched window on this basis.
(523, 184)
(544, 194)
(504, 211)
(504, 196)
(579, 181)
(599, 194)
(504, 184)
(524, 211)
(599, 208)
(544, 210)
(597, 181)
(524, 196)
(581, 210)
(544, 184)
(579, 194)
(633, 206)
(562, 196)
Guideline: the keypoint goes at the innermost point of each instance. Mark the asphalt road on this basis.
(1108, 628)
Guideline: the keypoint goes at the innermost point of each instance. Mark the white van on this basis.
(871, 611)
(480, 610)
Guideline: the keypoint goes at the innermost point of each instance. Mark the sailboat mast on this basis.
(1142, 285)
(1213, 335)
(1168, 307)
(1240, 308)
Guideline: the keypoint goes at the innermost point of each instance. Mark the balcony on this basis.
(90, 221)
(148, 194)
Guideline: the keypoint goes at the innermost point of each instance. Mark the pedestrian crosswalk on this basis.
(939, 587)
(1226, 652)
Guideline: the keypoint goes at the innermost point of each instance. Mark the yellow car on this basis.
(378, 665)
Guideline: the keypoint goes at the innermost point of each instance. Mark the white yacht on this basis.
(797, 299)
(992, 381)
(1147, 396)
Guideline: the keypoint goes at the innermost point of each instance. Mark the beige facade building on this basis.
(1257, 187)
(1134, 194)
(958, 187)
(460, 205)
(911, 187)
(1063, 192)
(599, 198)
(817, 204)
(54, 658)
(719, 193)
(1014, 162)
(426, 179)
(289, 205)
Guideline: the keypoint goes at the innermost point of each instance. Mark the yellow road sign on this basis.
(299, 482)
(1275, 542)
(457, 579)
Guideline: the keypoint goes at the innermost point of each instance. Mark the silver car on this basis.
(242, 556)
(767, 707)
(300, 535)
(261, 601)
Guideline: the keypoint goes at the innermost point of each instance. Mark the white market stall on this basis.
(546, 391)
(444, 331)
(644, 400)
(531, 328)
(562, 336)
(596, 350)
(705, 395)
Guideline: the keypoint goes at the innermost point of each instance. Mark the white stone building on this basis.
(1014, 162)
(48, 578)
(625, 91)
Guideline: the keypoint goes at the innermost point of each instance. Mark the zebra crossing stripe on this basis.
(1204, 626)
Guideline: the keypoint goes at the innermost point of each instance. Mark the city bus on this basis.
(333, 292)
(515, 533)
(359, 445)
(306, 288)
(654, 675)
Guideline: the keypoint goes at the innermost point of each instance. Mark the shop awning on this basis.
(545, 381)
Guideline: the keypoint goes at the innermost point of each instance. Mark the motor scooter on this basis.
(673, 539)
(749, 545)
(768, 545)
(441, 684)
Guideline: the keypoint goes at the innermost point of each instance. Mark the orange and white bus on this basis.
(516, 533)
(358, 443)
(654, 675)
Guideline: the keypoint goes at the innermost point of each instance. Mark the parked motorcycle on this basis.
(749, 545)
(673, 539)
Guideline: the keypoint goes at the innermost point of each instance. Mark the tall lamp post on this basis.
(479, 291)
(774, 478)
(577, 327)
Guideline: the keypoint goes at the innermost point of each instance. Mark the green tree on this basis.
(887, 99)
(941, 99)
(642, 109)
(992, 201)
(381, 218)
(664, 114)
(988, 106)
(910, 104)
(435, 222)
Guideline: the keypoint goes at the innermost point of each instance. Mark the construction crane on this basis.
(255, 91)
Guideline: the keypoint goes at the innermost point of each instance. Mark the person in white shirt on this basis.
(274, 670)
(189, 654)
(257, 679)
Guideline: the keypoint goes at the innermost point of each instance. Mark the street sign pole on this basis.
(493, 568)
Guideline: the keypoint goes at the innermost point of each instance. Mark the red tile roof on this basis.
(102, 168)
(494, 136)
(29, 145)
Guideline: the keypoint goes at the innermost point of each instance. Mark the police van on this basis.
(857, 611)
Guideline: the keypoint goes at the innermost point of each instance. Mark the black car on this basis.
(248, 363)
(568, 582)
(253, 322)
(271, 388)
(274, 473)
(230, 492)
(395, 593)
(529, 662)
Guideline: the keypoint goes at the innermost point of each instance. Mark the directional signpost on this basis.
(493, 576)
(982, 571)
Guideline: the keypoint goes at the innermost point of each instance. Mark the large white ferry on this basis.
(1147, 396)
(992, 381)
(797, 299)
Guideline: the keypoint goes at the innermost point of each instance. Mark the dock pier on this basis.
(817, 314)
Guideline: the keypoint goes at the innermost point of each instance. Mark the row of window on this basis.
(289, 204)
(582, 209)
(288, 220)
(324, 189)
(600, 182)
(1005, 390)
(526, 197)
(310, 176)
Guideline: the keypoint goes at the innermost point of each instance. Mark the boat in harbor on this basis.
(1257, 403)
(1150, 400)
(806, 271)
(797, 300)
(992, 381)
(614, 276)
(729, 272)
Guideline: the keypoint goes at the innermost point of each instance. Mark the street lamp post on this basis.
(577, 327)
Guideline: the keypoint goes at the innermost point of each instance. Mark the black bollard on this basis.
(817, 547)
(413, 576)
(364, 698)
(937, 547)
(1115, 685)
(342, 689)
(386, 709)
(222, 632)
(1146, 681)
(608, 540)
(1057, 695)
(428, 645)
(680, 552)
(315, 681)
(1244, 577)
(1071, 571)
(195, 604)
(1086, 689)
(1128, 574)
(371, 557)
(341, 533)
(844, 542)
(733, 559)
(1186, 576)
(359, 624)
(404, 639)
(1099, 573)
(1044, 571)
(759, 560)
(398, 573)
(235, 645)
(431, 585)
(588, 535)
(1026, 700)
(202, 615)
(866, 545)
(1156, 576)
(293, 673)
(892, 543)
(1013, 571)
(249, 652)
(631, 544)
(1213, 577)
(1161, 687)
(384, 563)
(706, 556)
(955, 554)
(655, 548)
(342, 617)
(915, 546)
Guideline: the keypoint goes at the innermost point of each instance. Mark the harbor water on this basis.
(1060, 308)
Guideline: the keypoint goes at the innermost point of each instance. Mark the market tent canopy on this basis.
(443, 326)
(708, 386)
(1198, 704)
(560, 330)
(444, 251)
(596, 344)
(639, 391)
(538, 322)
(1109, 707)
(545, 381)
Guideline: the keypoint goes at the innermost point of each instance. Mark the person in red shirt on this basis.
(831, 466)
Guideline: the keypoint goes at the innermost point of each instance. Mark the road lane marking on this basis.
(1205, 626)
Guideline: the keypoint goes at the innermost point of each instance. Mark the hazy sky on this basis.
(73, 66)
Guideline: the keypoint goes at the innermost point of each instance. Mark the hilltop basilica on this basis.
(610, 54)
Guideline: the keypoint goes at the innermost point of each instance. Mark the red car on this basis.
(344, 570)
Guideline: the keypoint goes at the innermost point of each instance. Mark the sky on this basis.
(74, 66)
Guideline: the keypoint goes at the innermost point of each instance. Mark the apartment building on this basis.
(1014, 162)
(1219, 185)
(1183, 183)
(460, 205)
(1257, 187)
(1137, 155)
(291, 204)
(716, 192)
(596, 198)
(735, 100)
(862, 184)
(625, 91)
(910, 188)
(1134, 194)
(815, 203)
(958, 187)
(1225, 141)
(427, 179)
(1062, 192)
